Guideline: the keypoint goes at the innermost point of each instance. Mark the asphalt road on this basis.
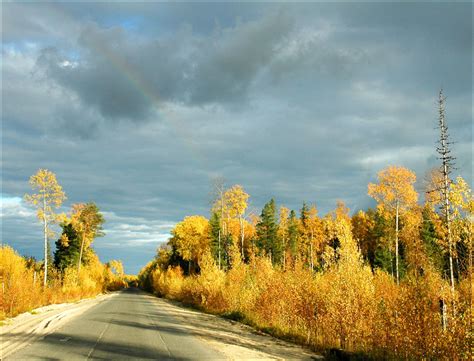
(127, 326)
(134, 325)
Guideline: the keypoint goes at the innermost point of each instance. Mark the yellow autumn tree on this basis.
(190, 237)
(235, 200)
(87, 222)
(395, 194)
(462, 203)
(362, 226)
(315, 236)
(49, 196)
(283, 232)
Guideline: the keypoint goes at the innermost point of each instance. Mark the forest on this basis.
(389, 282)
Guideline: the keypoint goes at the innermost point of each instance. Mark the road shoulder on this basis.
(27, 327)
(235, 340)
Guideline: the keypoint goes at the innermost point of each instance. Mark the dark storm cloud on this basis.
(124, 76)
(139, 107)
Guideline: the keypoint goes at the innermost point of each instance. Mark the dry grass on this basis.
(345, 306)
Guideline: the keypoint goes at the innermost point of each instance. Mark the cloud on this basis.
(138, 107)
(125, 76)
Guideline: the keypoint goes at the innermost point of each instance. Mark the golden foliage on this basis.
(395, 186)
(22, 289)
(347, 305)
(190, 237)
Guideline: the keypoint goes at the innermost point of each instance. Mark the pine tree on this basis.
(293, 233)
(430, 239)
(267, 228)
(217, 250)
(68, 248)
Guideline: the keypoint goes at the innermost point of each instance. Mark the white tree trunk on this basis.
(242, 235)
(219, 246)
(45, 230)
(396, 245)
(80, 255)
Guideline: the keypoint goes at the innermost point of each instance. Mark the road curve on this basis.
(135, 325)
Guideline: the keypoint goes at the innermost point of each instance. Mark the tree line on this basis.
(394, 280)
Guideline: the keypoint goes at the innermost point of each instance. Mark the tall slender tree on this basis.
(447, 162)
(49, 196)
(293, 233)
(267, 230)
(87, 221)
(395, 193)
(235, 200)
(283, 232)
(218, 207)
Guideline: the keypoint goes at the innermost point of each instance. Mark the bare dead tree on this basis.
(447, 164)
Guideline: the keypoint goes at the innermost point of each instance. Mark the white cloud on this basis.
(15, 207)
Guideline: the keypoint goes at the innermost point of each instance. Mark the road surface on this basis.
(135, 325)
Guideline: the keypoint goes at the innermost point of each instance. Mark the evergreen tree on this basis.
(267, 228)
(304, 215)
(214, 237)
(430, 239)
(293, 233)
(67, 248)
(383, 257)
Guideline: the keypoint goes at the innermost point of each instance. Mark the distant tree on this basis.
(49, 196)
(116, 267)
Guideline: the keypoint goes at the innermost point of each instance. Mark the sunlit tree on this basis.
(48, 197)
(87, 222)
(190, 237)
(235, 200)
(395, 193)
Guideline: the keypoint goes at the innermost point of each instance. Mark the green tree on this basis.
(267, 232)
(430, 238)
(215, 238)
(68, 248)
(293, 233)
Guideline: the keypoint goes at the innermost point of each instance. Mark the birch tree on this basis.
(87, 221)
(49, 196)
(235, 200)
(395, 194)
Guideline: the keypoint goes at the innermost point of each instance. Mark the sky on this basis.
(139, 107)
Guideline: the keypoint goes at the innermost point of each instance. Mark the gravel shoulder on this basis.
(234, 339)
(19, 331)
